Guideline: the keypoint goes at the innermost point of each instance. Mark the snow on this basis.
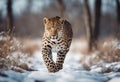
(72, 72)
(115, 80)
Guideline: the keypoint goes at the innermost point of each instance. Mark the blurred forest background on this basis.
(95, 24)
(95, 46)
(91, 19)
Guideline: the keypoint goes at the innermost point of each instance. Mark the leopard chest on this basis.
(57, 47)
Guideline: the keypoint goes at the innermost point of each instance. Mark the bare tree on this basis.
(1, 28)
(88, 26)
(9, 16)
(29, 5)
(96, 22)
(92, 31)
(0, 19)
(61, 7)
(117, 32)
(0, 16)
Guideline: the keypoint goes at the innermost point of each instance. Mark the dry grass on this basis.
(108, 52)
(14, 54)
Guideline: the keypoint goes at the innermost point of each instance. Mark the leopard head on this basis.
(53, 27)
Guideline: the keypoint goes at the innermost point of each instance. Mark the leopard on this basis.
(57, 37)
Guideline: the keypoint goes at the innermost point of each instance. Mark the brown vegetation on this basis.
(109, 52)
(13, 55)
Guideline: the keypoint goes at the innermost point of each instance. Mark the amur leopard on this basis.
(57, 38)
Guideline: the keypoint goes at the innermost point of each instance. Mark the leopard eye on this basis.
(58, 28)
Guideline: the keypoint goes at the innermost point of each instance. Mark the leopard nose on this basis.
(53, 37)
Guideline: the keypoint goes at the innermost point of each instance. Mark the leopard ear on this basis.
(62, 20)
(57, 17)
(45, 20)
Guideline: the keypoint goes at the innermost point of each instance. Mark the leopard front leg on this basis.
(47, 57)
(60, 58)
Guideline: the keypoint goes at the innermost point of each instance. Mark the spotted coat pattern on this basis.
(57, 38)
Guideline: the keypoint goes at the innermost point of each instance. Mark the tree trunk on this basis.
(29, 5)
(61, 7)
(9, 16)
(117, 30)
(0, 17)
(1, 28)
(96, 22)
(88, 26)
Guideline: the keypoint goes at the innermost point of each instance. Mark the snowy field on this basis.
(72, 72)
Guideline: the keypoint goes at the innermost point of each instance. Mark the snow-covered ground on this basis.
(72, 72)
